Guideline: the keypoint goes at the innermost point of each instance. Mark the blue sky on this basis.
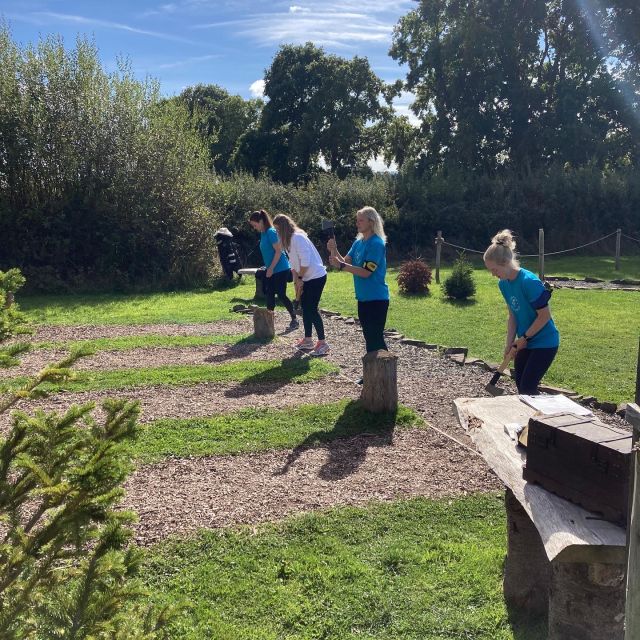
(226, 42)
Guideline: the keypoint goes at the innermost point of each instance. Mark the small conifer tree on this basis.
(66, 568)
(460, 285)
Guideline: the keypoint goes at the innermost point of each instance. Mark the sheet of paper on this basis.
(549, 404)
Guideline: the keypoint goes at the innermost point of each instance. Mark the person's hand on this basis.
(520, 343)
(334, 261)
(509, 349)
(298, 287)
(331, 245)
(269, 272)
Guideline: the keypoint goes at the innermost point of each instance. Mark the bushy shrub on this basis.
(414, 277)
(460, 285)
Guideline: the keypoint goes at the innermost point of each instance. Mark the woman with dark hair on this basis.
(530, 327)
(278, 269)
(309, 277)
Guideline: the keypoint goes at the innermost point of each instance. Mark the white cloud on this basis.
(327, 23)
(377, 164)
(402, 104)
(64, 17)
(257, 88)
(188, 61)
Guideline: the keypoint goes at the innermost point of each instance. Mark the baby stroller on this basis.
(228, 252)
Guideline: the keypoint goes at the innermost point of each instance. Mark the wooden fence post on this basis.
(632, 606)
(541, 254)
(439, 241)
(618, 235)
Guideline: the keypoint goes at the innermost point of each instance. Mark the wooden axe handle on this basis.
(503, 365)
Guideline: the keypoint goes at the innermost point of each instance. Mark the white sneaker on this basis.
(305, 344)
(321, 349)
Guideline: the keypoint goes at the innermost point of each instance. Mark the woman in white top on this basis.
(309, 277)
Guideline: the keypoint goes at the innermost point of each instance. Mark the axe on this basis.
(491, 387)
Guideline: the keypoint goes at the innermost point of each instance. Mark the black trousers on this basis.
(373, 316)
(309, 301)
(531, 365)
(276, 285)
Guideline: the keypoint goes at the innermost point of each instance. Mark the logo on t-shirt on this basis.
(515, 305)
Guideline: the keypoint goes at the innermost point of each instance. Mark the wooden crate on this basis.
(583, 460)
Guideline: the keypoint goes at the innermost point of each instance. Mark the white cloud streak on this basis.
(257, 89)
(92, 22)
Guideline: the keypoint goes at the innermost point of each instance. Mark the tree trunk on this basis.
(9, 299)
(586, 601)
(527, 570)
(380, 381)
(263, 326)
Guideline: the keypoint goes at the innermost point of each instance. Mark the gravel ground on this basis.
(182, 495)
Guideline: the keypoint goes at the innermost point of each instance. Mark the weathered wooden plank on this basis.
(632, 610)
(569, 532)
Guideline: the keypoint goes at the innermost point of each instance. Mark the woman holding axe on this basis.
(367, 261)
(309, 277)
(531, 333)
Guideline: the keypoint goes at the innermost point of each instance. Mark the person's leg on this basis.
(311, 291)
(373, 317)
(269, 292)
(364, 316)
(306, 305)
(537, 364)
(280, 285)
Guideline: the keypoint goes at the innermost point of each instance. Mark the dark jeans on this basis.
(309, 301)
(373, 316)
(276, 285)
(531, 365)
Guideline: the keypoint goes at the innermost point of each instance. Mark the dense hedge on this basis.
(100, 185)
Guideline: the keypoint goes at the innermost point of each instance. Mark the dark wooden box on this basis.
(583, 460)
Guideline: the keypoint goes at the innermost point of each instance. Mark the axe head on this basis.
(492, 388)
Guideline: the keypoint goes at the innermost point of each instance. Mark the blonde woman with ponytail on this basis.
(367, 261)
(531, 331)
(309, 277)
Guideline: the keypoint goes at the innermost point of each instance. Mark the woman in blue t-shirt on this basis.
(367, 261)
(275, 260)
(530, 328)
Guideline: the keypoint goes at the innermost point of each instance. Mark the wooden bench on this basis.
(252, 272)
(561, 559)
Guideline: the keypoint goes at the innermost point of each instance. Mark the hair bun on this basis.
(504, 238)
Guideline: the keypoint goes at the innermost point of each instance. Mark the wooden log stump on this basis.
(527, 570)
(586, 601)
(259, 294)
(380, 381)
(263, 325)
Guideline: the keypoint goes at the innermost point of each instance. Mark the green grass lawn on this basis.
(417, 570)
(253, 430)
(245, 373)
(599, 329)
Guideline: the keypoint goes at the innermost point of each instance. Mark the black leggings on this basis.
(531, 365)
(373, 316)
(310, 299)
(276, 285)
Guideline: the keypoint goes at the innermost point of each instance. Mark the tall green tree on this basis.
(319, 105)
(221, 119)
(520, 83)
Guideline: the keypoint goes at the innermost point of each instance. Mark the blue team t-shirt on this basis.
(370, 254)
(267, 239)
(524, 295)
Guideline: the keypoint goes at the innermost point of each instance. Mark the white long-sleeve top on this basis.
(302, 253)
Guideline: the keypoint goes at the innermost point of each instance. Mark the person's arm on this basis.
(511, 332)
(543, 316)
(538, 297)
(334, 255)
(373, 258)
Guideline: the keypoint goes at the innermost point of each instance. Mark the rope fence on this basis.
(541, 255)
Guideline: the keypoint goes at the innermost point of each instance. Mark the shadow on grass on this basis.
(270, 381)
(527, 626)
(240, 349)
(347, 453)
(467, 302)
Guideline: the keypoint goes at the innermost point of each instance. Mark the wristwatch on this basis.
(341, 266)
(526, 337)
